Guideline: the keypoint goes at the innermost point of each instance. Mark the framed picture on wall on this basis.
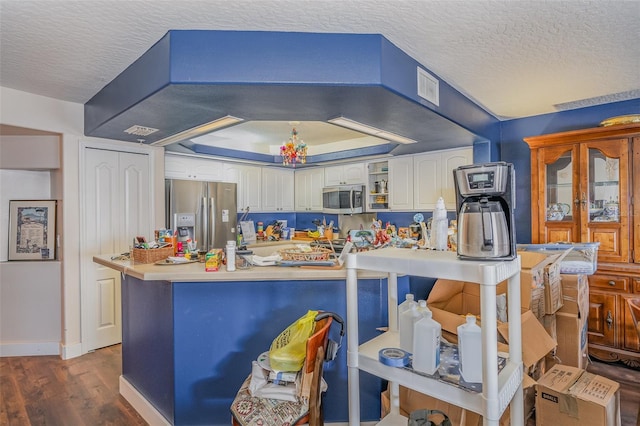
(32, 229)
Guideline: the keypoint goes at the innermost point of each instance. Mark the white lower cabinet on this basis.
(277, 189)
(499, 388)
(308, 189)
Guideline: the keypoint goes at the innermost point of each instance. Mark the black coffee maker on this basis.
(485, 204)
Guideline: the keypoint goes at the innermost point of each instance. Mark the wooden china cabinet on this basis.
(585, 187)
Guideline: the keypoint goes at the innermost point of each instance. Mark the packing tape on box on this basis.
(394, 357)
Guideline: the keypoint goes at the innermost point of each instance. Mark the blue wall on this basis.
(514, 150)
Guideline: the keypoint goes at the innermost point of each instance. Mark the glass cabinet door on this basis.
(559, 188)
(604, 205)
(604, 187)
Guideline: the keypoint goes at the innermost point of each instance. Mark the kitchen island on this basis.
(189, 336)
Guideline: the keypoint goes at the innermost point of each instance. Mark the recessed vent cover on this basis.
(428, 87)
(140, 130)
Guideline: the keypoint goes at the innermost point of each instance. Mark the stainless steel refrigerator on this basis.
(205, 212)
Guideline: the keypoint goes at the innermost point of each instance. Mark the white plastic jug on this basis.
(407, 320)
(426, 344)
(408, 302)
(470, 350)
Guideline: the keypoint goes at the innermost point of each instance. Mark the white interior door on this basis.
(117, 206)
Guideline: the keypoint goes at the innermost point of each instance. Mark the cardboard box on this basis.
(569, 396)
(550, 325)
(411, 400)
(544, 267)
(542, 270)
(536, 342)
(553, 298)
(575, 294)
(572, 322)
(450, 301)
(572, 346)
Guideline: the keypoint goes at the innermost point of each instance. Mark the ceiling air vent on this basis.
(428, 87)
(140, 130)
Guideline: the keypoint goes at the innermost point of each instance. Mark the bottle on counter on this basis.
(426, 343)
(439, 227)
(470, 350)
(231, 255)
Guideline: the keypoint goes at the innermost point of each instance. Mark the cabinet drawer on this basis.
(636, 286)
(609, 282)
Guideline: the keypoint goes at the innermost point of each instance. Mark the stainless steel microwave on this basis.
(343, 199)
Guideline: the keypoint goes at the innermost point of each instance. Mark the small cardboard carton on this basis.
(569, 396)
(572, 322)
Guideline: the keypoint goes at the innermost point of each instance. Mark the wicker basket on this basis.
(151, 255)
(317, 254)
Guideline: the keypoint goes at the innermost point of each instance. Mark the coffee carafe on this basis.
(485, 205)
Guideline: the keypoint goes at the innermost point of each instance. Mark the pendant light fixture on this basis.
(294, 150)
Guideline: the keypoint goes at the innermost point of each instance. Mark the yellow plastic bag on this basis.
(289, 349)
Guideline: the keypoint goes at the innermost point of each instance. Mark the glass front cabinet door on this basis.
(605, 183)
(581, 192)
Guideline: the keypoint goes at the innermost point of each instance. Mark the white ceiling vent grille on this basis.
(428, 87)
(140, 130)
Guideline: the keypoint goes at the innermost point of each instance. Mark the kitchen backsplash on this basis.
(302, 221)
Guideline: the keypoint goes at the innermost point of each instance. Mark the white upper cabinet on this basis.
(277, 189)
(308, 189)
(182, 167)
(400, 183)
(427, 180)
(451, 160)
(249, 181)
(433, 177)
(345, 174)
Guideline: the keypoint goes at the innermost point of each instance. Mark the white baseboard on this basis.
(70, 351)
(141, 405)
(29, 349)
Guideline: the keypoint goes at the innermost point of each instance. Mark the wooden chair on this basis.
(247, 410)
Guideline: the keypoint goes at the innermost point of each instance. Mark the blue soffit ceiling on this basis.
(192, 77)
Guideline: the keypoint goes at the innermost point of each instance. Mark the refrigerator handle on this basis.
(212, 220)
(205, 226)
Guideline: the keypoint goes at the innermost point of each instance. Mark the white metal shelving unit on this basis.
(499, 390)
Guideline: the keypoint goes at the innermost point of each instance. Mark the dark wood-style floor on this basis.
(45, 390)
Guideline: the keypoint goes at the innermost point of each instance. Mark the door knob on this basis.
(609, 320)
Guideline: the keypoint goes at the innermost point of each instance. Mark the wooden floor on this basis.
(45, 390)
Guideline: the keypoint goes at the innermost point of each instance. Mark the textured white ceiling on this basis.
(515, 58)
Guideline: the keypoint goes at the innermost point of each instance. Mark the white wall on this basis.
(30, 111)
